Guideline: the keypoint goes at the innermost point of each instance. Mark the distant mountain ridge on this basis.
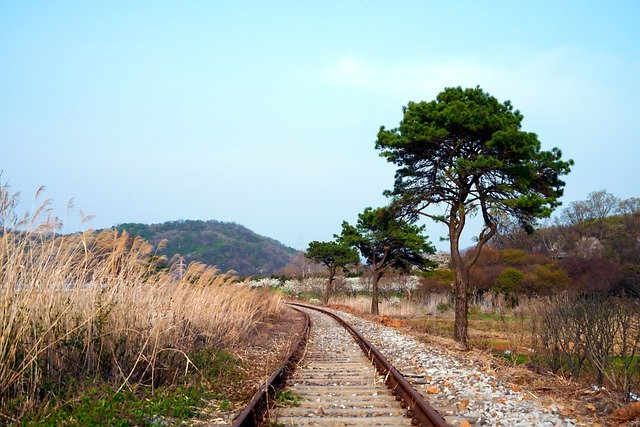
(227, 245)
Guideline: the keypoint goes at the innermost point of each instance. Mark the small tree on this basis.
(334, 255)
(602, 204)
(387, 243)
(507, 284)
(465, 153)
(586, 218)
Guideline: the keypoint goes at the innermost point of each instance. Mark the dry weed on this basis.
(99, 305)
(627, 413)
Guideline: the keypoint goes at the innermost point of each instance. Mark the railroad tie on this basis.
(337, 385)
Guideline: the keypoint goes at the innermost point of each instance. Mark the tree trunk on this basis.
(329, 288)
(461, 323)
(460, 327)
(374, 293)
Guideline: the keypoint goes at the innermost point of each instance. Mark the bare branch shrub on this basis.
(592, 336)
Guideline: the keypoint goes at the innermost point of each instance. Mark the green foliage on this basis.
(103, 405)
(309, 296)
(439, 280)
(475, 311)
(387, 242)
(466, 149)
(444, 276)
(514, 257)
(465, 152)
(332, 254)
(288, 398)
(516, 359)
(546, 279)
(218, 366)
(443, 307)
(282, 291)
(227, 245)
(496, 270)
(507, 282)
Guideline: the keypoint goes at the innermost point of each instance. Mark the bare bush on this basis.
(592, 336)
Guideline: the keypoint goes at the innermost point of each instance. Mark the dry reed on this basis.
(99, 306)
(394, 307)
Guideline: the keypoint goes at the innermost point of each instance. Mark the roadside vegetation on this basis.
(564, 299)
(590, 338)
(98, 329)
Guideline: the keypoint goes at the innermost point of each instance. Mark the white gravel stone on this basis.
(491, 402)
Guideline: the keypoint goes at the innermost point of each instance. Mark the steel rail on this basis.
(253, 413)
(418, 408)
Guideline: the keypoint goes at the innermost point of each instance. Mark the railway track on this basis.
(342, 380)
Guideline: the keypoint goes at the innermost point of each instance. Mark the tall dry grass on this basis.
(395, 307)
(99, 306)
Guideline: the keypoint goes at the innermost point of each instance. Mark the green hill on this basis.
(227, 245)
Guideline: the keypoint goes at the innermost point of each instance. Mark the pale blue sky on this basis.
(266, 113)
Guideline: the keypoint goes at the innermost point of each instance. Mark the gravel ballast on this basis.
(460, 391)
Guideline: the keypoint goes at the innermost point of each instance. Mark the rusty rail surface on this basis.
(253, 414)
(420, 411)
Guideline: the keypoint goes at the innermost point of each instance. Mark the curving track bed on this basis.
(336, 384)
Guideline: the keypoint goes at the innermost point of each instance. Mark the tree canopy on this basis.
(465, 153)
(387, 243)
(334, 256)
(467, 149)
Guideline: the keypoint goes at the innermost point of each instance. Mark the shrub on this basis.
(514, 257)
(545, 280)
(590, 335)
(436, 281)
(591, 275)
(507, 284)
(443, 307)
